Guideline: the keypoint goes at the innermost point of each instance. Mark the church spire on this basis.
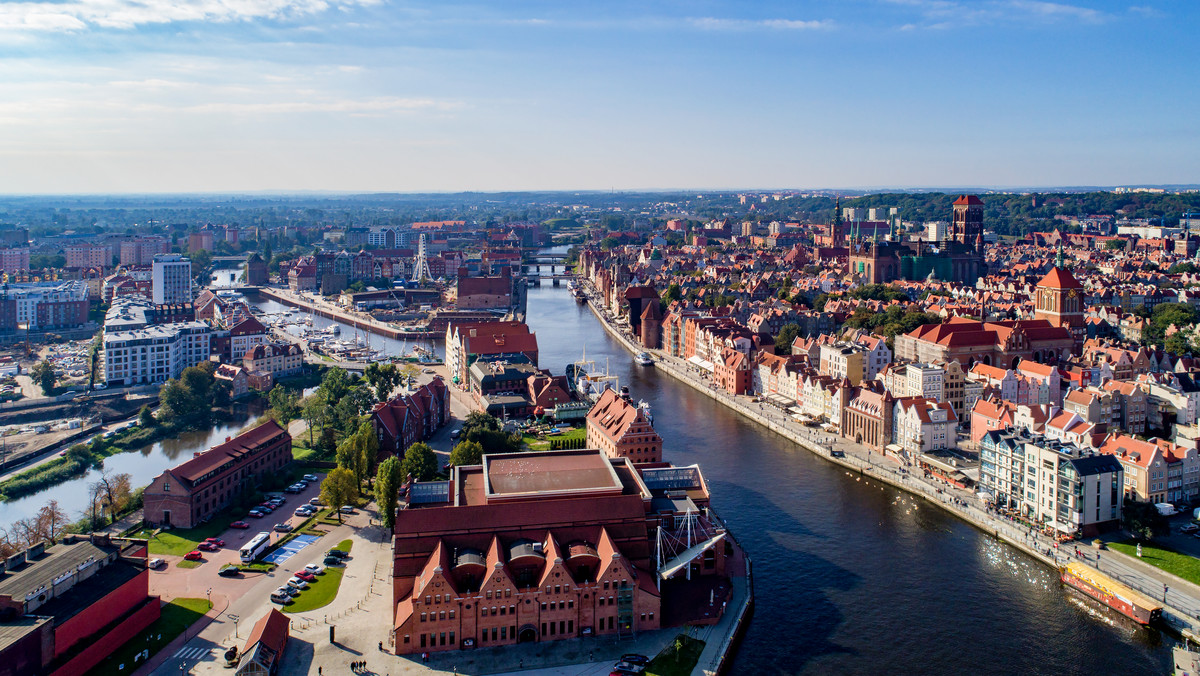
(1058, 259)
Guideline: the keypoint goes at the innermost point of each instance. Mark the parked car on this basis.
(347, 509)
(303, 512)
(155, 564)
(277, 501)
(281, 599)
(625, 668)
(229, 571)
(256, 513)
(283, 528)
(455, 433)
(634, 658)
(1189, 528)
(193, 556)
(305, 575)
(315, 568)
(332, 561)
(311, 477)
(240, 525)
(337, 553)
(216, 541)
(297, 583)
(207, 547)
(316, 502)
(290, 591)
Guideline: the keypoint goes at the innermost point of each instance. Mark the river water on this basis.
(142, 465)
(853, 576)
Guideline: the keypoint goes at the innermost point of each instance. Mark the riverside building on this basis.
(1072, 490)
(552, 545)
(154, 354)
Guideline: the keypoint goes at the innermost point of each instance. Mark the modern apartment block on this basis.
(89, 255)
(154, 354)
(44, 305)
(14, 260)
(1073, 490)
(171, 279)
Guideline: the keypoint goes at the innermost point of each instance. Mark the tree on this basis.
(43, 374)
(408, 370)
(1114, 244)
(284, 405)
(672, 294)
(419, 462)
(314, 411)
(52, 521)
(787, 335)
(200, 261)
(1177, 344)
(387, 486)
(339, 488)
(1143, 520)
(466, 453)
(146, 417)
(383, 378)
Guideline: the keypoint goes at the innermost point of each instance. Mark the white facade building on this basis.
(154, 354)
(171, 279)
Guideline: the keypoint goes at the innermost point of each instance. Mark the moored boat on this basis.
(1121, 598)
(644, 359)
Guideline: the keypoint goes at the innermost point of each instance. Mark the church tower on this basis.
(1059, 300)
(967, 225)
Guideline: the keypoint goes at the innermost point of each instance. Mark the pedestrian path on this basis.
(187, 654)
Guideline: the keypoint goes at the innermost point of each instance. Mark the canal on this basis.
(142, 465)
(853, 576)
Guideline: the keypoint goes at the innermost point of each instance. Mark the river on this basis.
(853, 576)
(141, 464)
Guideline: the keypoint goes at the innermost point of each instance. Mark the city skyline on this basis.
(370, 95)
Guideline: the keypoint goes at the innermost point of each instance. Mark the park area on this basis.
(550, 437)
(678, 659)
(176, 617)
(1181, 565)
(322, 592)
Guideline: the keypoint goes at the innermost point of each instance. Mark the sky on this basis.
(148, 96)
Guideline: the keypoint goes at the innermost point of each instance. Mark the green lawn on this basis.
(176, 616)
(323, 591)
(180, 541)
(1181, 565)
(536, 444)
(670, 663)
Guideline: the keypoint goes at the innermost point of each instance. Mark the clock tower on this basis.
(1059, 300)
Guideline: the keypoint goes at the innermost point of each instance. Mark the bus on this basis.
(254, 548)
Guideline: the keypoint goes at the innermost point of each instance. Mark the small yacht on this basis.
(644, 359)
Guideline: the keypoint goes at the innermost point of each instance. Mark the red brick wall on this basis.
(104, 645)
(119, 602)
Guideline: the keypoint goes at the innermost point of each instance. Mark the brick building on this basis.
(65, 608)
(551, 545)
(185, 495)
(620, 429)
(408, 418)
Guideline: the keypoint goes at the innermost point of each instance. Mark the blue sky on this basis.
(229, 95)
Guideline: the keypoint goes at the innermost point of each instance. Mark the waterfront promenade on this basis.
(1182, 607)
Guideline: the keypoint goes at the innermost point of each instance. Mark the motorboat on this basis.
(644, 359)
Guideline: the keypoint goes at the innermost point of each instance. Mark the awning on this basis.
(685, 557)
(697, 361)
(938, 463)
(779, 400)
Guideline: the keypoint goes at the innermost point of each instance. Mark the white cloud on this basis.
(710, 23)
(77, 15)
(944, 14)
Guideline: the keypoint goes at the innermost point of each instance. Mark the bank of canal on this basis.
(852, 575)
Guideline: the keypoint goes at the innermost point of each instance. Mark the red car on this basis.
(207, 547)
(193, 556)
(216, 541)
(239, 524)
(305, 575)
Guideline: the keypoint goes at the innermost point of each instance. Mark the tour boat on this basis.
(644, 359)
(1121, 598)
